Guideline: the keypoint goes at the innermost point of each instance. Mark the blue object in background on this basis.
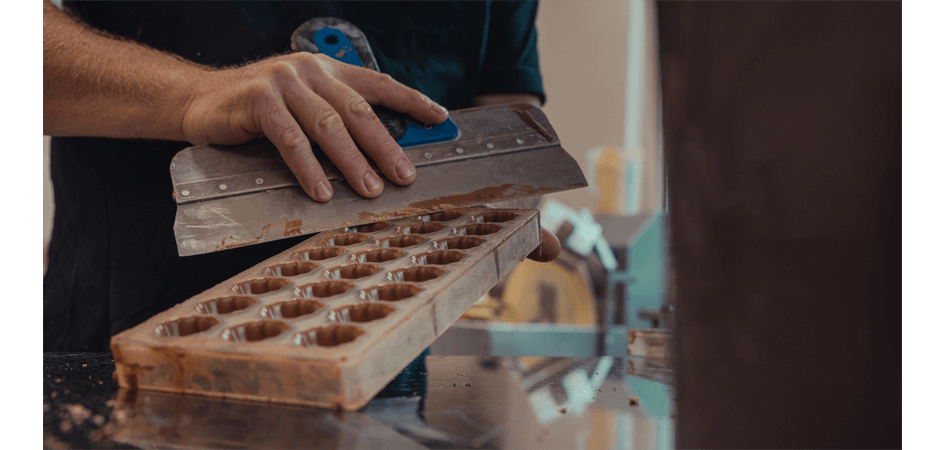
(409, 383)
(648, 270)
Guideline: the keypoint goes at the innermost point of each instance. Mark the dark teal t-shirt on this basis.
(450, 51)
(113, 259)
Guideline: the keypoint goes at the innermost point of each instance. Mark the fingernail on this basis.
(433, 105)
(438, 108)
(371, 181)
(322, 191)
(404, 169)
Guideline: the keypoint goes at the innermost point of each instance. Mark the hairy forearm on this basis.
(96, 85)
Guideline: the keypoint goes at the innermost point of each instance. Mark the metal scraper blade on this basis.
(230, 197)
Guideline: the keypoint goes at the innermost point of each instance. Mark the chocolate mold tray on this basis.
(332, 320)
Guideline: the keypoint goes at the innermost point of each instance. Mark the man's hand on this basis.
(293, 98)
(549, 248)
(96, 85)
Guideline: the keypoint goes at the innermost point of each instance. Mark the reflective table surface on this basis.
(447, 402)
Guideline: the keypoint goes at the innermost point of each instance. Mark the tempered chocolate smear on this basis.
(369, 217)
(292, 228)
(366, 217)
(457, 200)
(524, 111)
(130, 370)
(224, 245)
(480, 196)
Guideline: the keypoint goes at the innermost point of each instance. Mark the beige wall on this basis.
(582, 48)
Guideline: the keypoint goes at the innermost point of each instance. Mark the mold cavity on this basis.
(401, 241)
(390, 292)
(459, 243)
(186, 326)
(442, 216)
(328, 335)
(290, 269)
(255, 331)
(479, 229)
(438, 258)
(422, 228)
(417, 274)
(323, 289)
(352, 271)
(378, 256)
(261, 286)
(361, 312)
(495, 216)
(369, 228)
(225, 305)
(343, 240)
(291, 309)
(318, 254)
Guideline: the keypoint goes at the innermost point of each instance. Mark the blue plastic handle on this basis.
(334, 43)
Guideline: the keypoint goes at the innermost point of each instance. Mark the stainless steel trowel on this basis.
(233, 196)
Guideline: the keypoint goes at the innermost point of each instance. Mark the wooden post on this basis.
(783, 148)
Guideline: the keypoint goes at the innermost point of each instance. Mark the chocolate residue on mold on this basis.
(524, 111)
(458, 200)
(129, 371)
(370, 217)
(226, 246)
(410, 211)
(292, 228)
(176, 358)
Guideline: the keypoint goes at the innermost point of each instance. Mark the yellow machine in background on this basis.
(549, 293)
(541, 293)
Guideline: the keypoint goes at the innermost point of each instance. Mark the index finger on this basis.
(549, 248)
(382, 89)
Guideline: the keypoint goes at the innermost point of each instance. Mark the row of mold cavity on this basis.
(425, 271)
(411, 235)
(448, 251)
(365, 264)
(390, 250)
(430, 222)
(338, 332)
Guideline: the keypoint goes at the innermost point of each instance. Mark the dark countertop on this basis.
(454, 402)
